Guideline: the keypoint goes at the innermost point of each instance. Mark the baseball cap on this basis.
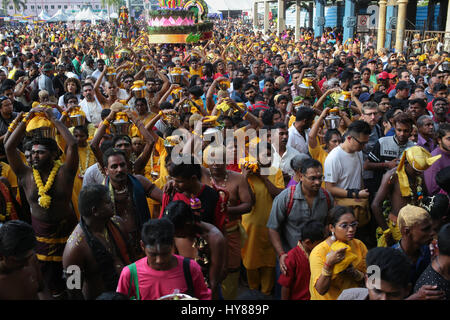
(385, 75)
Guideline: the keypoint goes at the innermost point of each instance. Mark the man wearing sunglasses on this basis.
(343, 170)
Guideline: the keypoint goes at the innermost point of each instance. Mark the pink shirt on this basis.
(154, 284)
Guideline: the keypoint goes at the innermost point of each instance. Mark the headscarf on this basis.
(409, 216)
(420, 159)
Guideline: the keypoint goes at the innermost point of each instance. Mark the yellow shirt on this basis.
(258, 250)
(342, 281)
(318, 153)
(291, 121)
(8, 174)
(197, 72)
(158, 156)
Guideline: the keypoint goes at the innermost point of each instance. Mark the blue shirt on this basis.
(236, 97)
(421, 264)
(203, 97)
(391, 132)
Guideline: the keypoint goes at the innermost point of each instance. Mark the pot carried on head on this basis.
(110, 74)
(305, 88)
(138, 89)
(176, 75)
(40, 127)
(344, 99)
(121, 125)
(77, 117)
(332, 120)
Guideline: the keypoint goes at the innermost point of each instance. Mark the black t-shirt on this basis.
(386, 149)
(209, 198)
(431, 277)
(402, 103)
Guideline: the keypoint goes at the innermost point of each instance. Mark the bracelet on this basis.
(352, 193)
(349, 193)
(163, 115)
(326, 273)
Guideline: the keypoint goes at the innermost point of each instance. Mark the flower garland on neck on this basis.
(417, 198)
(86, 165)
(45, 200)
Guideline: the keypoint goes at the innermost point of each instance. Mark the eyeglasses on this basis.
(347, 225)
(320, 178)
(363, 143)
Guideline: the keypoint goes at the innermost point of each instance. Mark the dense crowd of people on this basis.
(249, 166)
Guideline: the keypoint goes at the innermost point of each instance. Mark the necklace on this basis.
(417, 197)
(441, 272)
(45, 200)
(224, 184)
(106, 237)
(86, 165)
(122, 191)
(303, 249)
(111, 192)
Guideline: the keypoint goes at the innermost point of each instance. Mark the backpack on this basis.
(135, 281)
(291, 199)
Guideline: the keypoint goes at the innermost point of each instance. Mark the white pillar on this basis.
(297, 20)
(255, 14)
(281, 17)
(381, 24)
(401, 19)
(266, 16)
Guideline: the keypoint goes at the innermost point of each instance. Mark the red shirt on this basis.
(267, 61)
(210, 205)
(298, 274)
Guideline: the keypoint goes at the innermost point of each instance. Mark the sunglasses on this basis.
(360, 143)
(347, 225)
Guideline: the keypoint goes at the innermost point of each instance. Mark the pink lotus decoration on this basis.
(170, 22)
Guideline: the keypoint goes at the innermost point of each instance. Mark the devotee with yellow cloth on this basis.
(258, 254)
(338, 263)
(401, 186)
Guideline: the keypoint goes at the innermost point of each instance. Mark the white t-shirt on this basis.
(93, 175)
(344, 169)
(297, 141)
